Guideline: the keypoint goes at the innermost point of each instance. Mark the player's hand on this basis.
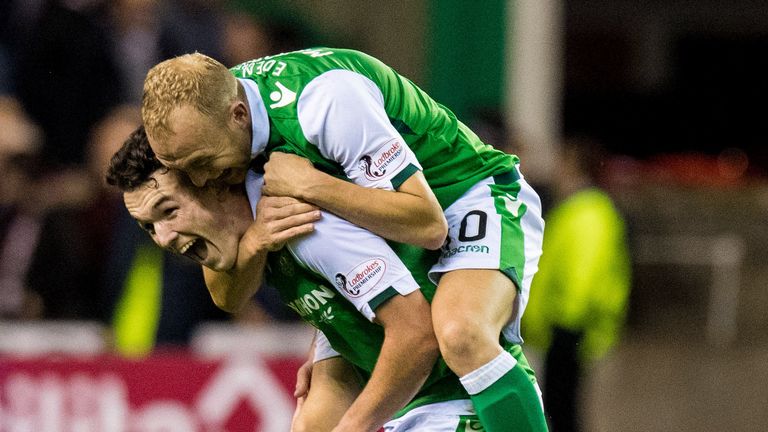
(303, 377)
(279, 219)
(299, 403)
(285, 174)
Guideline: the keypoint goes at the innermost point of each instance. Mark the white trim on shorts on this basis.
(436, 417)
(323, 348)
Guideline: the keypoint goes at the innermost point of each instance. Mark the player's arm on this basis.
(334, 386)
(278, 219)
(232, 289)
(343, 114)
(409, 347)
(407, 356)
(411, 214)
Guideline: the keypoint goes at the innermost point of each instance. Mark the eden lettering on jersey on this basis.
(263, 65)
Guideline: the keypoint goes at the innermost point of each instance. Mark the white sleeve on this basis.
(342, 113)
(360, 264)
(323, 348)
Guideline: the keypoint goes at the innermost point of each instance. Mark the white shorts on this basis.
(450, 416)
(323, 348)
(496, 224)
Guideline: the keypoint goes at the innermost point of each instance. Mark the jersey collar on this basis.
(259, 119)
(253, 184)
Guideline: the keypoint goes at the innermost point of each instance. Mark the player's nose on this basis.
(198, 178)
(164, 236)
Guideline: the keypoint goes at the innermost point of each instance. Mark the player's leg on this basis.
(486, 267)
(469, 310)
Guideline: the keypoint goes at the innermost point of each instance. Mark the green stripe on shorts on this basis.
(512, 244)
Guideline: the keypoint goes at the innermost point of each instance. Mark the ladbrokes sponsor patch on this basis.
(363, 278)
(386, 159)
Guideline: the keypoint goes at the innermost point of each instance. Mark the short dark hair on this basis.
(134, 163)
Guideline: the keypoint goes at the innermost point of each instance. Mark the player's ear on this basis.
(238, 111)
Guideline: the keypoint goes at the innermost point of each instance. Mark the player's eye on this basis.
(198, 163)
(148, 227)
(170, 211)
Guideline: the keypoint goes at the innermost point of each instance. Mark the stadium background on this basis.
(674, 89)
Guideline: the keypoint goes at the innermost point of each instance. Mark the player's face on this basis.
(204, 225)
(205, 149)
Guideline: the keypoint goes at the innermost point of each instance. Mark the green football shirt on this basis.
(336, 278)
(356, 118)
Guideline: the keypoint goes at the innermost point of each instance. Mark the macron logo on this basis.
(281, 97)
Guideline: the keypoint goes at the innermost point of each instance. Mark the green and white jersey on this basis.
(335, 278)
(358, 119)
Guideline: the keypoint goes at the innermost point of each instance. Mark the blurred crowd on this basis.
(71, 75)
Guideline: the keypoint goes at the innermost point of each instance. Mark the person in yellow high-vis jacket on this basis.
(579, 297)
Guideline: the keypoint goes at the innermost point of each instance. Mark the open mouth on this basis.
(194, 250)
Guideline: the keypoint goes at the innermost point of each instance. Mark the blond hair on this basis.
(193, 79)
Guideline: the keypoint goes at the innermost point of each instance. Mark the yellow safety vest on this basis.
(584, 275)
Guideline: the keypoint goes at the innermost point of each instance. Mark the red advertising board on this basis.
(172, 392)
